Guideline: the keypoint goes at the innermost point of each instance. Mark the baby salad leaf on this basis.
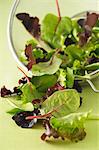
(32, 25)
(14, 111)
(90, 22)
(52, 34)
(29, 92)
(24, 101)
(63, 102)
(17, 102)
(38, 53)
(74, 51)
(28, 53)
(49, 67)
(48, 27)
(93, 66)
(70, 126)
(32, 42)
(70, 77)
(42, 83)
(62, 77)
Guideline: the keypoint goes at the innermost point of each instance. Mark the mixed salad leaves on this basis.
(62, 50)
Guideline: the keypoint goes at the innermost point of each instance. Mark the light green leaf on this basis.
(75, 52)
(64, 102)
(32, 42)
(70, 77)
(38, 53)
(49, 67)
(70, 126)
(48, 26)
(14, 111)
(93, 66)
(29, 92)
(64, 27)
(62, 77)
(52, 32)
(18, 103)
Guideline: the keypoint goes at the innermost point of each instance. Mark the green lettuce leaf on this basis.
(29, 92)
(14, 111)
(17, 102)
(42, 83)
(70, 126)
(93, 66)
(52, 29)
(62, 77)
(75, 52)
(49, 67)
(70, 77)
(63, 102)
(24, 101)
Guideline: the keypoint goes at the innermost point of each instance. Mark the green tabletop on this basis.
(13, 137)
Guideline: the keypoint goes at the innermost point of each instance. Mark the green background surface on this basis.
(11, 136)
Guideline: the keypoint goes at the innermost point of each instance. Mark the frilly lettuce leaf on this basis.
(70, 126)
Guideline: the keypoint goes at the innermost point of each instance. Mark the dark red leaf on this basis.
(51, 90)
(5, 92)
(81, 22)
(91, 19)
(88, 24)
(30, 23)
(69, 41)
(23, 80)
(36, 101)
(29, 55)
(49, 131)
(77, 86)
(20, 120)
(93, 59)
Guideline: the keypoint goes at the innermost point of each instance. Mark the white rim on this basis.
(9, 36)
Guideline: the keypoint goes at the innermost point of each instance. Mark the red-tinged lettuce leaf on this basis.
(63, 102)
(30, 23)
(29, 55)
(88, 24)
(93, 59)
(54, 30)
(49, 131)
(70, 126)
(91, 19)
